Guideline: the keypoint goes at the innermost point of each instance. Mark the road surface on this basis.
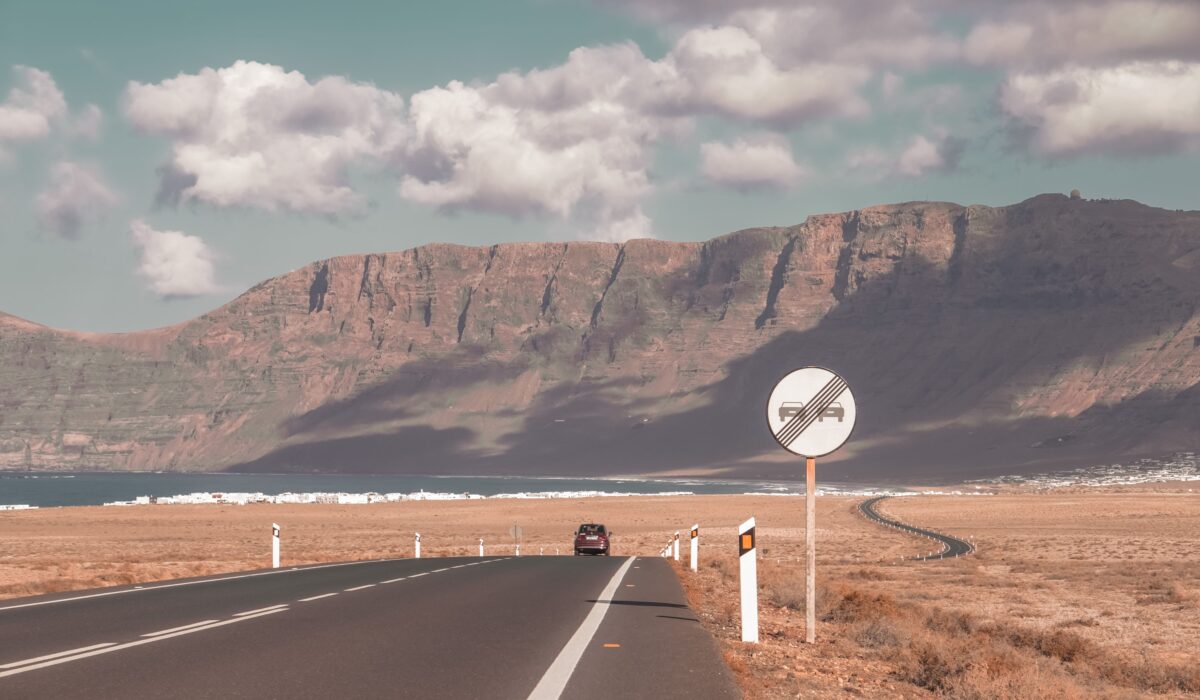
(950, 546)
(494, 627)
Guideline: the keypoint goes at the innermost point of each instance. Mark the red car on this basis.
(592, 538)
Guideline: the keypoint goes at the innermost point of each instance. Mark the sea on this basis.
(47, 490)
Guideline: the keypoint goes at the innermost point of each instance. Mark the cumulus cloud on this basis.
(1044, 35)
(1137, 108)
(254, 135)
(174, 264)
(762, 162)
(32, 107)
(76, 195)
(88, 122)
(920, 156)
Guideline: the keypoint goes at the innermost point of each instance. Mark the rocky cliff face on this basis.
(977, 340)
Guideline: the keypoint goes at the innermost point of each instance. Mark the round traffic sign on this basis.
(811, 412)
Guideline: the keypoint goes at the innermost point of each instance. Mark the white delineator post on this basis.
(518, 549)
(274, 546)
(695, 554)
(675, 545)
(810, 550)
(416, 545)
(481, 546)
(748, 569)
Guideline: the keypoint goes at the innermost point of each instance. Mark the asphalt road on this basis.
(950, 546)
(495, 627)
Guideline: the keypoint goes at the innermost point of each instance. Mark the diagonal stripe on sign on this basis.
(795, 421)
(822, 400)
(825, 402)
(813, 410)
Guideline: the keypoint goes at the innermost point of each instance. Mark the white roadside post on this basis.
(748, 574)
(541, 551)
(695, 554)
(675, 544)
(417, 545)
(518, 549)
(481, 546)
(811, 413)
(274, 546)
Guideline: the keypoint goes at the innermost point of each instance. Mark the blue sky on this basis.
(156, 159)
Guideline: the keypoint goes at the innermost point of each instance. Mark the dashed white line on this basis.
(258, 610)
(33, 664)
(143, 589)
(181, 627)
(317, 597)
(359, 588)
(423, 573)
(438, 571)
(47, 657)
(393, 580)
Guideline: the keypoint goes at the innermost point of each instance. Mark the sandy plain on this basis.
(1077, 594)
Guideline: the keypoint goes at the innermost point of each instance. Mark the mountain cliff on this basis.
(977, 340)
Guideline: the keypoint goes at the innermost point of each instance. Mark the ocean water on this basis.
(92, 488)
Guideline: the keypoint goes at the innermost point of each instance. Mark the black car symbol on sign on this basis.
(792, 408)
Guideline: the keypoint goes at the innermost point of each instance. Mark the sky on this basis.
(157, 159)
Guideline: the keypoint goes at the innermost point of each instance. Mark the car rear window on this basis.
(591, 529)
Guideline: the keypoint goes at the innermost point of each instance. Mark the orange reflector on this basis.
(747, 541)
(612, 646)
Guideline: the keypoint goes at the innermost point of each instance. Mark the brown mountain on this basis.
(977, 340)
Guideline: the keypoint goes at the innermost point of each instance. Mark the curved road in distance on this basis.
(951, 546)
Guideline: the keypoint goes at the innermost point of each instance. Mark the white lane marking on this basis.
(316, 597)
(258, 610)
(438, 571)
(192, 583)
(555, 680)
(423, 573)
(127, 645)
(359, 588)
(181, 627)
(61, 653)
(393, 580)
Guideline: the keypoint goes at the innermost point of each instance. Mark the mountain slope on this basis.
(969, 335)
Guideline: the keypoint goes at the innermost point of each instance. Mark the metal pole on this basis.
(810, 546)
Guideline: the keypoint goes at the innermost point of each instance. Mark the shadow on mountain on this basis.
(940, 384)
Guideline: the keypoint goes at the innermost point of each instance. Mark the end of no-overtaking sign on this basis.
(811, 413)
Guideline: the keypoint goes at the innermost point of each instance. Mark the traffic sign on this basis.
(811, 412)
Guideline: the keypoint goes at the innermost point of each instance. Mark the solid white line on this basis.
(393, 580)
(555, 679)
(61, 653)
(181, 627)
(316, 597)
(192, 583)
(359, 588)
(127, 645)
(258, 610)
(438, 571)
(423, 573)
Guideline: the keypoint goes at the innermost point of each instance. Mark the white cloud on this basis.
(1086, 33)
(1137, 108)
(920, 156)
(76, 195)
(569, 141)
(173, 263)
(253, 135)
(763, 162)
(32, 106)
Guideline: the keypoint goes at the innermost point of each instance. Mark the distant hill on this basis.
(977, 340)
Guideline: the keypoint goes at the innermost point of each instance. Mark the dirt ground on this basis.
(1081, 594)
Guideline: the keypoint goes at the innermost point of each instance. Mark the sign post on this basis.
(695, 554)
(811, 413)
